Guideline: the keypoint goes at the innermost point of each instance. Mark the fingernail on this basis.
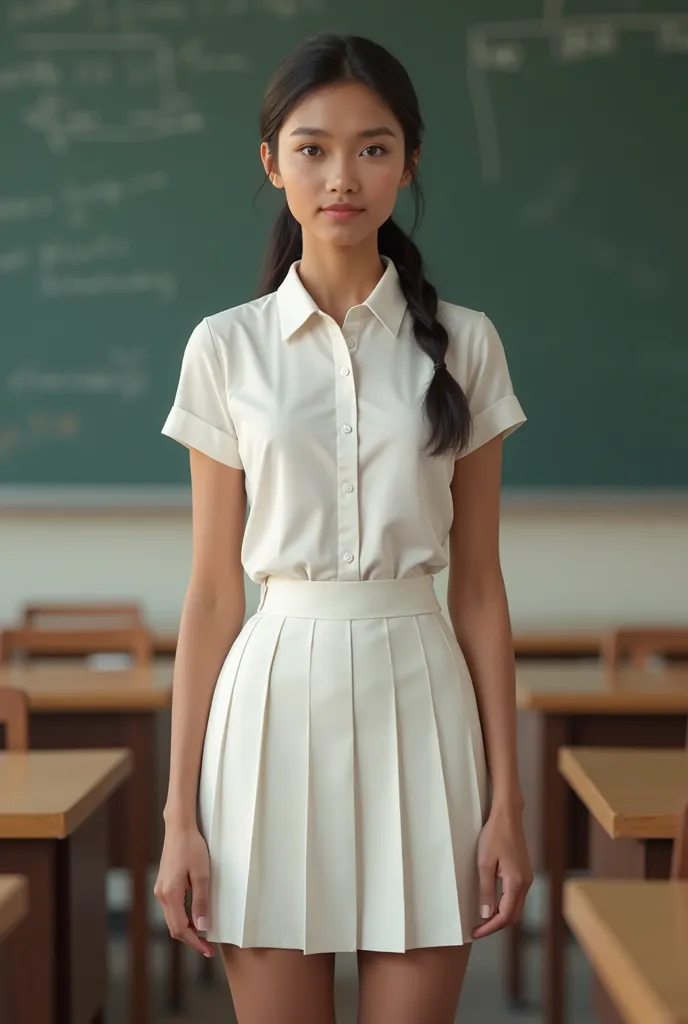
(485, 911)
(202, 924)
(209, 955)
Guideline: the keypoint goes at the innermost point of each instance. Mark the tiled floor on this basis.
(481, 1003)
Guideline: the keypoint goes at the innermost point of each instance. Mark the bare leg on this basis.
(421, 986)
(280, 985)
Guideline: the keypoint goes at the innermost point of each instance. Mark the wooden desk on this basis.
(581, 705)
(53, 830)
(635, 935)
(74, 707)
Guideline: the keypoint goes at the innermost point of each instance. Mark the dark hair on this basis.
(325, 60)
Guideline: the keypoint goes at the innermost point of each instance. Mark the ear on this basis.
(270, 165)
(407, 176)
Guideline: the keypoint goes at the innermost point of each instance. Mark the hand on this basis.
(502, 854)
(185, 864)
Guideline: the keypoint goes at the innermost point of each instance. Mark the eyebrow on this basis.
(367, 133)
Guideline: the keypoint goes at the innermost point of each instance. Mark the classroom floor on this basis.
(481, 1001)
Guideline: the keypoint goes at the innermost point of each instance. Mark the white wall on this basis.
(570, 568)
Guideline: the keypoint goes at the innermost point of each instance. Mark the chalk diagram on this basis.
(499, 48)
(109, 67)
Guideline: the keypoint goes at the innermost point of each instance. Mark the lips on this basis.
(342, 208)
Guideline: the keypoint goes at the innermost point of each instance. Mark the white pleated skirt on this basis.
(343, 784)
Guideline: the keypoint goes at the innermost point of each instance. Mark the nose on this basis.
(342, 176)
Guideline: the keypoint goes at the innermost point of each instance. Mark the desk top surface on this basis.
(572, 688)
(72, 686)
(635, 934)
(14, 902)
(632, 793)
(47, 794)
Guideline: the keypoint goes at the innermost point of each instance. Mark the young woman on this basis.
(343, 771)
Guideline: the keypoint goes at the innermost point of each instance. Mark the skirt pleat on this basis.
(343, 783)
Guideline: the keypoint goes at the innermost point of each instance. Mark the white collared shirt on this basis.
(326, 423)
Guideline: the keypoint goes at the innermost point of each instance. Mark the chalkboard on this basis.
(555, 170)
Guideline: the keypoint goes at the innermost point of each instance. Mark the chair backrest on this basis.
(86, 615)
(639, 644)
(25, 643)
(14, 715)
(679, 859)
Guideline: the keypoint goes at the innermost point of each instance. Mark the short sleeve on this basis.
(491, 399)
(200, 416)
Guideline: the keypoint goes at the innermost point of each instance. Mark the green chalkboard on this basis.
(555, 171)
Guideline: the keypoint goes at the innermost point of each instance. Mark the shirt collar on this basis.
(387, 301)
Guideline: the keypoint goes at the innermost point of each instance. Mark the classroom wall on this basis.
(561, 567)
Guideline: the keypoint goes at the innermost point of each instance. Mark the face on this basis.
(340, 145)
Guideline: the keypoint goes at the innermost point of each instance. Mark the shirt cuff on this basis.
(193, 432)
(503, 417)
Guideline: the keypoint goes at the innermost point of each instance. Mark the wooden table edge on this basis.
(571, 703)
(581, 784)
(617, 971)
(98, 704)
(641, 825)
(95, 798)
(16, 904)
(59, 825)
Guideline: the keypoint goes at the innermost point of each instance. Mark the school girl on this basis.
(343, 764)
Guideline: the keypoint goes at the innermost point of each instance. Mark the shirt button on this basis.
(348, 557)
(350, 343)
(348, 488)
(344, 371)
(346, 429)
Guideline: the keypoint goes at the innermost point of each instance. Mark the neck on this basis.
(339, 277)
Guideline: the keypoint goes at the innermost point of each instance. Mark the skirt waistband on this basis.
(348, 599)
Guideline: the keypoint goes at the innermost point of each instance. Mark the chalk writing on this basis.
(92, 62)
(496, 47)
(81, 200)
(14, 260)
(40, 73)
(123, 376)
(163, 285)
(52, 255)
(196, 58)
(28, 208)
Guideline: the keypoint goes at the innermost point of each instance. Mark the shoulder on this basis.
(250, 318)
(470, 332)
(217, 336)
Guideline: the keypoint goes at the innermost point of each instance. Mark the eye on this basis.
(310, 146)
(381, 148)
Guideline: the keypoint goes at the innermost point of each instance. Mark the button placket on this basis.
(348, 535)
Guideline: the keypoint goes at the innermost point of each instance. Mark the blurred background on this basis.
(554, 170)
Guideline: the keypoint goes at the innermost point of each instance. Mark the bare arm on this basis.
(212, 618)
(479, 612)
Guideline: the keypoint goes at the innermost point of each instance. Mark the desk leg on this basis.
(628, 858)
(623, 858)
(555, 818)
(139, 816)
(30, 952)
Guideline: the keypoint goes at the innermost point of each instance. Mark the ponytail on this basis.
(285, 247)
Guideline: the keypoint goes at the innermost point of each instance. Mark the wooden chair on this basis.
(639, 644)
(66, 615)
(27, 642)
(14, 716)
